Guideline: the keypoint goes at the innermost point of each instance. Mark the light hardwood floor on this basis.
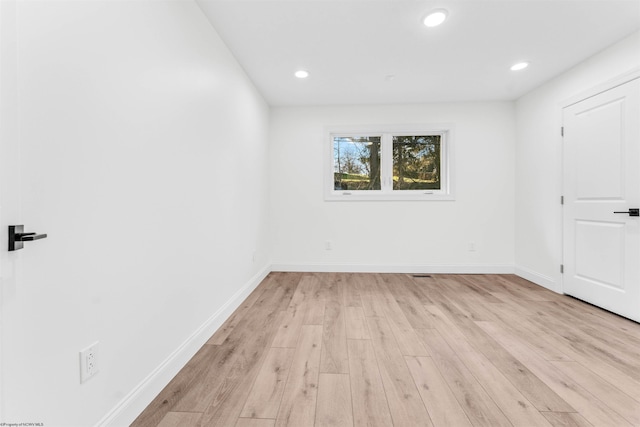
(340, 349)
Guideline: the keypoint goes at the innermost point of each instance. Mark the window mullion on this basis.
(387, 163)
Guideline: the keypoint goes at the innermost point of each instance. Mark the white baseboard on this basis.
(128, 409)
(398, 268)
(538, 279)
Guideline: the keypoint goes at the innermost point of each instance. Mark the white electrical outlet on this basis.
(472, 246)
(328, 245)
(89, 362)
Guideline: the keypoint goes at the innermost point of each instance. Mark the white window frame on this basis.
(387, 192)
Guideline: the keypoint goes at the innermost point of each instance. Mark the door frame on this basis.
(10, 208)
(619, 80)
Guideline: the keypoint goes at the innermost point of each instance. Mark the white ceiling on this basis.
(351, 46)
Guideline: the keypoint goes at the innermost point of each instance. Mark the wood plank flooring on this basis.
(347, 349)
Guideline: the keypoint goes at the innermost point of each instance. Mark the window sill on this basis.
(346, 196)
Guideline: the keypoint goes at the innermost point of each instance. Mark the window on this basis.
(416, 162)
(390, 165)
(356, 163)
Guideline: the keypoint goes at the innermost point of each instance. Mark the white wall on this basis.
(538, 236)
(144, 150)
(394, 236)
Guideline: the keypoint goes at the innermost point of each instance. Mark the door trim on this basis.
(619, 80)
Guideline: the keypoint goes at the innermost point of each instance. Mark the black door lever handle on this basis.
(631, 212)
(17, 236)
(30, 237)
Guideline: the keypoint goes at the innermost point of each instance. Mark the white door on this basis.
(601, 253)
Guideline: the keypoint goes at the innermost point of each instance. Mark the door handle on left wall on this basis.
(17, 236)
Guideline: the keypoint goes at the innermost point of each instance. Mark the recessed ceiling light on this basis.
(435, 18)
(302, 74)
(519, 66)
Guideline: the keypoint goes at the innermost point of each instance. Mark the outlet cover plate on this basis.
(89, 362)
